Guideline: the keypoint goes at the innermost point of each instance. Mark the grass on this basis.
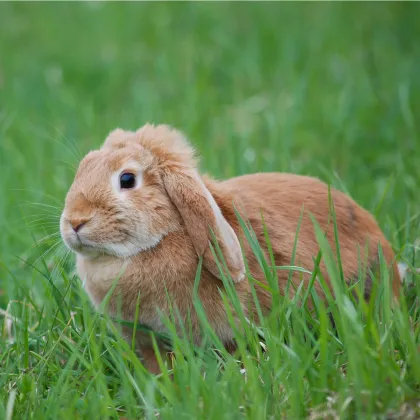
(330, 90)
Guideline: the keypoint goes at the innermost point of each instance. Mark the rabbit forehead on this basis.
(105, 162)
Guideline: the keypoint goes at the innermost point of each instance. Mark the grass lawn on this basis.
(330, 90)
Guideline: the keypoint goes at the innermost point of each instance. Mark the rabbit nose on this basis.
(76, 224)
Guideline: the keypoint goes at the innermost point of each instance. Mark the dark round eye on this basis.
(127, 181)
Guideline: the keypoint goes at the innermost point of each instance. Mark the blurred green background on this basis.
(326, 89)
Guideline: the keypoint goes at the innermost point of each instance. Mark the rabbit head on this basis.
(127, 196)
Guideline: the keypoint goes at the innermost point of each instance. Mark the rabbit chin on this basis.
(91, 250)
(126, 250)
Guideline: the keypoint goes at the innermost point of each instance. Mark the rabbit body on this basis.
(160, 261)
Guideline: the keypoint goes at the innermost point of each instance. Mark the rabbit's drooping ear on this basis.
(202, 216)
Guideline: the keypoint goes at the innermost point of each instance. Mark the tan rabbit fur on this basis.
(150, 236)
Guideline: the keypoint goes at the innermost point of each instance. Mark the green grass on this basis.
(325, 89)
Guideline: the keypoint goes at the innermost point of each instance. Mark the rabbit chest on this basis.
(164, 278)
(157, 279)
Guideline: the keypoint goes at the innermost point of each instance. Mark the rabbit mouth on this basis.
(76, 244)
(80, 245)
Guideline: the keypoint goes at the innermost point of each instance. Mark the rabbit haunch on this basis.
(151, 236)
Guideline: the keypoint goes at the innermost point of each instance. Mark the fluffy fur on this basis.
(151, 236)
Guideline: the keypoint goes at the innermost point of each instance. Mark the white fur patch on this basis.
(128, 250)
(402, 271)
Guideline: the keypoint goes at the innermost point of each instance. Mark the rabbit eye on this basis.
(127, 181)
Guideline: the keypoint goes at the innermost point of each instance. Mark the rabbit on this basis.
(140, 212)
